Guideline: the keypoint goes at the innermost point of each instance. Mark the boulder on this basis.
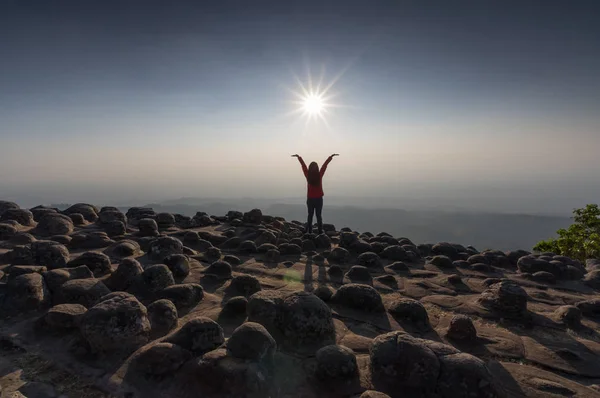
(119, 323)
(86, 292)
(251, 341)
(92, 240)
(50, 254)
(27, 292)
(400, 362)
(235, 307)
(55, 278)
(184, 295)
(359, 274)
(164, 246)
(115, 228)
(126, 274)
(78, 219)
(156, 278)
(462, 329)
(6, 205)
(359, 297)
(136, 214)
(463, 375)
(369, 260)
(54, 224)
(339, 255)
(98, 263)
(163, 317)
(506, 298)
(272, 256)
(198, 335)
(109, 216)
(124, 248)
(305, 322)
(441, 262)
(165, 220)
(220, 269)
(263, 307)
(336, 363)
(244, 285)
(407, 309)
(64, 316)
(395, 253)
(254, 216)
(248, 247)
(179, 265)
(17, 270)
(89, 212)
(231, 259)
(398, 266)
(227, 376)
(147, 227)
(160, 359)
(323, 292)
(22, 216)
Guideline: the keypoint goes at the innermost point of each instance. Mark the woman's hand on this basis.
(295, 156)
(334, 155)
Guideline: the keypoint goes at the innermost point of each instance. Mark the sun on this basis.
(314, 99)
(313, 104)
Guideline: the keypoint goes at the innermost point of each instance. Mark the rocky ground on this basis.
(97, 303)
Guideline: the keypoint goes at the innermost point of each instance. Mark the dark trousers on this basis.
(314, 205)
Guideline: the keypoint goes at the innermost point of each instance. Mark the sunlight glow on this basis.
(313, 104)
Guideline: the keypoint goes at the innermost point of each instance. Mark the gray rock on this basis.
(54, 224)
(359, 274)
(64, 316)
(369, 260)
(160, 359)
(156, 278)
(147, 227)
(410, 310)
(359, 297)
(25, 293)
(462, 329)
(184, 296)
(89, 212)
(220, 269)
(98, 263)
(55, 278)
(198, 335)
(505, 297)
(163, 317)
(164, 246)
(22, 216)
(251, 341)
(179, 265)
(335, 363)
(244, 285)
(119, 323)
(86, 292)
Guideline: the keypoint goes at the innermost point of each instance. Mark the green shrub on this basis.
(581, 240)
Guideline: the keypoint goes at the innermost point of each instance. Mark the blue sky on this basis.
(164, 97)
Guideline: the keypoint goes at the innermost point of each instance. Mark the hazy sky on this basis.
(104, 100)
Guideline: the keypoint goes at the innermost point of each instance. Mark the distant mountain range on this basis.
(481, 229)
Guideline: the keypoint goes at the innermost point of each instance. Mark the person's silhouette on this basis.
(314, 197)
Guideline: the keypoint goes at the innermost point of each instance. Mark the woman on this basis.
(314, 200)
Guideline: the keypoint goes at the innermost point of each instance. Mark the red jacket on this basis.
(315, 191)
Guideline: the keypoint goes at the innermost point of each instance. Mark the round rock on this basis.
(179, 265)
(359, 297)
(162, 315)
(336, 362)
(253, 342)
(199, 335)
(461, 328)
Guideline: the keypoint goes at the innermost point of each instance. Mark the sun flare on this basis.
(313, 104)
(314, 99)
